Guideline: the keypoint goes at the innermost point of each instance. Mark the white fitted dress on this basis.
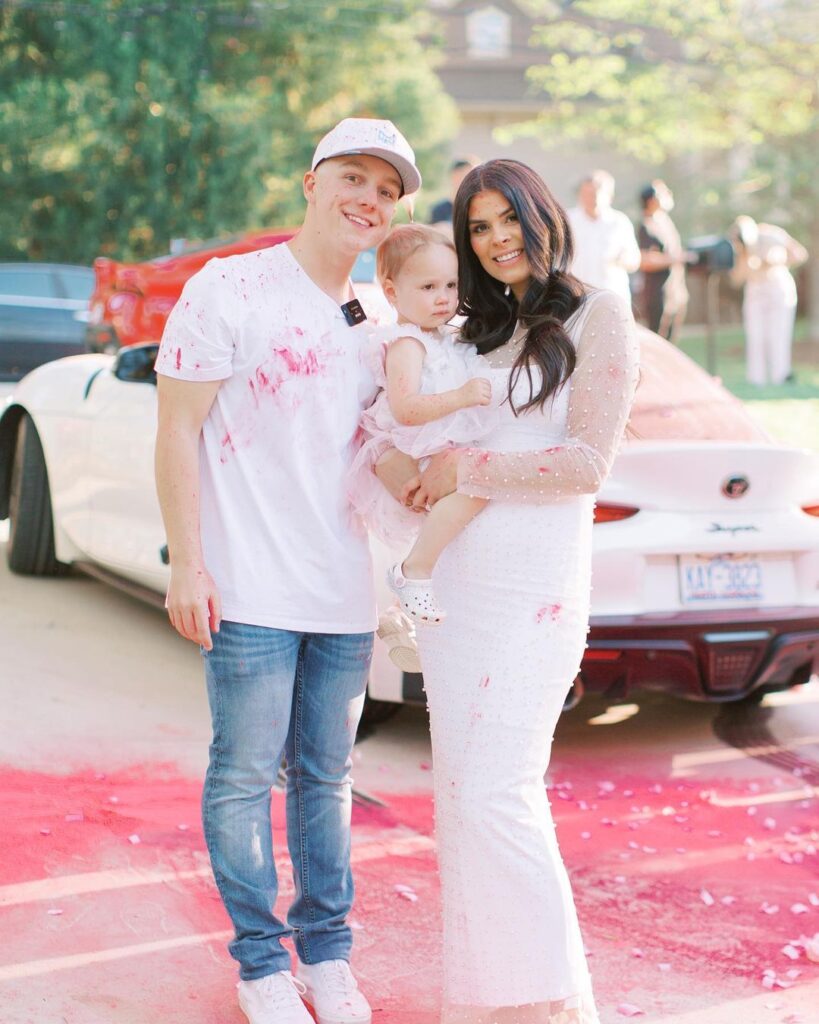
(516, 585)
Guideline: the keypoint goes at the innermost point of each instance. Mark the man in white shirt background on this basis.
(605, 249)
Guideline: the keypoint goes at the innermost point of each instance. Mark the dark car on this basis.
(43, 314)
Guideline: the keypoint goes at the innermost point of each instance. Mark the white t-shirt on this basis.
(605, 249)
(278, 535)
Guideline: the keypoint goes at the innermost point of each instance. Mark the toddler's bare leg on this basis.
(442, 525)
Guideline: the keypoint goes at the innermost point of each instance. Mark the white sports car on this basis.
(706, 548)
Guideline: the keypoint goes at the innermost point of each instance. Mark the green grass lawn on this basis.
(789, 412)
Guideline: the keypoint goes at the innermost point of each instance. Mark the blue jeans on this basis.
(275, 692)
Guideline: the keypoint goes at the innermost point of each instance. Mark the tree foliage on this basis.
(659, 78)
(124, 124)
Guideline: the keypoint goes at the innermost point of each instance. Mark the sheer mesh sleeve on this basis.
(602, 390)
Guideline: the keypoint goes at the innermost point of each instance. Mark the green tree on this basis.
(658, 79)
(125, 124)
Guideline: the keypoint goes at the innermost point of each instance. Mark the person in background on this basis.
(606, 250)
(664, 297)
(440, 216)
(764, 255)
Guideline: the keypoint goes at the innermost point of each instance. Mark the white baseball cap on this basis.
(366, 136)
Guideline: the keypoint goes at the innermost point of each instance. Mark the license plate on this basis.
(707, 578)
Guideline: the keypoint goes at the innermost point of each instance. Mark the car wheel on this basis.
(30, 549)
(374, 714)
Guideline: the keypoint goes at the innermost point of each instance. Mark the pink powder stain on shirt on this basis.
(179, 359)
(543, 469)
(552, 610)
(265, 383)
(227, 446)
(298, 364)
(482, 458)
(484, 683)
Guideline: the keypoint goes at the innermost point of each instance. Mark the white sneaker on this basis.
(274, 999)
(333, 993)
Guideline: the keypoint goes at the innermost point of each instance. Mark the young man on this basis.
(605, 249)
(262, 380)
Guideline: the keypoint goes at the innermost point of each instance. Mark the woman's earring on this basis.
(507, 290)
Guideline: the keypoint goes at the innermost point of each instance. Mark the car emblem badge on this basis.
(735, 486)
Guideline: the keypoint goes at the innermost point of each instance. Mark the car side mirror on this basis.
(135, 363)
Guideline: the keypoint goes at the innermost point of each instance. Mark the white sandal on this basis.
(416, 597)
(397, 631)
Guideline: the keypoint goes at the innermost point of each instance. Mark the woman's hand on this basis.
(398, 472)
(439, 479)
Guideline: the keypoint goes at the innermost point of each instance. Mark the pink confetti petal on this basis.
(182, 827)
(629, 1010)
(75, 816)
(812, 948)
(45, 831)
(769, 824)
(799, 908)
(134, 839)
(707, 898)
(664, 967)
(54, 911)
(791, 952)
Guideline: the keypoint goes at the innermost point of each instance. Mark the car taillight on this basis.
(812, 510)
(604, 513)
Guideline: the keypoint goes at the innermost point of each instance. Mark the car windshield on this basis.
(28, 282)
(678, 401)
(77, 282)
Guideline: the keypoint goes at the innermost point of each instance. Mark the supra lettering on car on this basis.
(744, 528)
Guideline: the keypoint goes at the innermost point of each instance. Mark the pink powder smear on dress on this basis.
(179, 359)
(552, 610)
(484, 682)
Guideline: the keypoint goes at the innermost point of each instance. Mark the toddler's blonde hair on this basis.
(403, 242)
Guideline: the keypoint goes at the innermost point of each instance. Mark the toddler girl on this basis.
(433, 398)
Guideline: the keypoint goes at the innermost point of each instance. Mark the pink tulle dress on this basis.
(448, 363)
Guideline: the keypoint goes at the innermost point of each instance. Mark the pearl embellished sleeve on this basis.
(602, 390)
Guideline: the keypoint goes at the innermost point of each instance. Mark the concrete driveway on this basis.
(690, 832)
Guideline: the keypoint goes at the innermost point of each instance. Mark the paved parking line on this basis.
(101, 881)
(65, 963)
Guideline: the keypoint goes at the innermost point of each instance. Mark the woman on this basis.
(765, 255)
(516, 583)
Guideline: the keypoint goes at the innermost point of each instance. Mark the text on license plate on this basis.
(721, 578)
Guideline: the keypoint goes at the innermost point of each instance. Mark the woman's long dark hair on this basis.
(553, 295)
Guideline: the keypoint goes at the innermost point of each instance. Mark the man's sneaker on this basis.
(333, 993)
(397, 631)
(274, 999)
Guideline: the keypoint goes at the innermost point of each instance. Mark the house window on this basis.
(487, 33)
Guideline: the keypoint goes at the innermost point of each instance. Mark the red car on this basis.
(132, 301)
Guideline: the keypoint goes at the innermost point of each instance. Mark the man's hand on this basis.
(193, 604)
(399, 474)
(439, 479)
